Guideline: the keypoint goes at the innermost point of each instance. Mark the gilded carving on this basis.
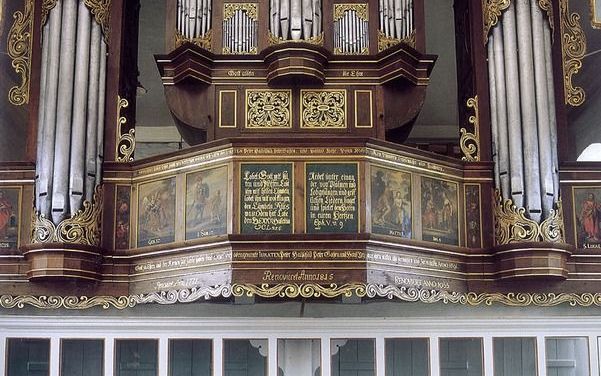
(19, 50)
(268, 108)
(573, 48)
(360, 9)
(83, 227)
(547, 6)
(47, 6)
(101, 10)
(512, 225)
(309, 290)
(323, 108)
(126, 142)
(470, 142)
(273, 39)
(385, 42)
(230, 9)
(202, 42)
(492, 11)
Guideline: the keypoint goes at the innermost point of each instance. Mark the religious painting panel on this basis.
(587, 216)
(206, 203)
(10, 208)
(331, 197)
(122, 216)
(391, 202)
(266, 204)
(156, 212)
(439, 211)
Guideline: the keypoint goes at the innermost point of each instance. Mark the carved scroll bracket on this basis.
(491, 13)
(101, 10)
(126, 141)
(573, 48)
(83, 227)
(470, 142)
(512, 225)
(20, 44)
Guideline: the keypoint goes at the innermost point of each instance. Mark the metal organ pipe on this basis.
(295, 19)
(71, 109)
(396, 18)
(522, 79)
(193, 18)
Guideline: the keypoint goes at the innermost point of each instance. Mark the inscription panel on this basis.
(332, 197)
(266, 203)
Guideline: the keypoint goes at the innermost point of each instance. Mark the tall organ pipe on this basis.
(46, 153)
(41, 112)
(64, 111)
(78, 135)
(92, 110)
(523, 108)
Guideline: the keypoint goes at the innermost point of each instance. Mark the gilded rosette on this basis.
(323, 109)
(268, 109)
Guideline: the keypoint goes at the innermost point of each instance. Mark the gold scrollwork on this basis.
(470, 142)
(83, 227)
(323, 109)
(385, 42)
(202, 42)
(230, 9)
(512, 225)
(47, 6)
(101, 10)
(273, 40)
(547, 6)
(228, 51)
(360, 9)
(573, 48)
(268, 108)
(126, 142)
(19, 49)
(309, 290)
(491, 11)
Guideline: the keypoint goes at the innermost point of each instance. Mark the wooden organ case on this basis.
(334, 68)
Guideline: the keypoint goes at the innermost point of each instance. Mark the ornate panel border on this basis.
(292, 291)
(268, 109)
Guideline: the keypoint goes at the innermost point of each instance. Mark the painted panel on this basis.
(587, 216)
(9, 217)
(122, 216)
(439, 210)
(391, 202)
(156, 212)
(206, 203)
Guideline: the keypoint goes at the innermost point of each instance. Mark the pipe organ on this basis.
(194, 18)
(240, 28)
(396, 18)
(71, 110)
(351, 35)
(295, 19)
